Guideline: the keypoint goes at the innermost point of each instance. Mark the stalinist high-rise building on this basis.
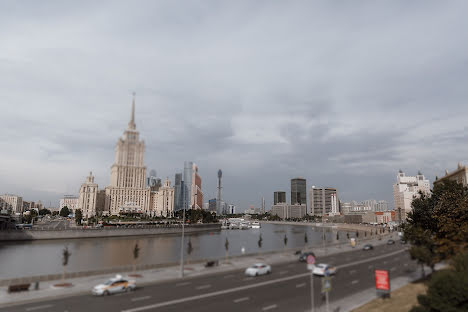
(127, 191)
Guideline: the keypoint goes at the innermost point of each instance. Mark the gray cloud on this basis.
(342, 94)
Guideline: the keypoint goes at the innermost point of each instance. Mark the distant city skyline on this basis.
(342, 95)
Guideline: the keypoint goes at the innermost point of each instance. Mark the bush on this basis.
(448, 289)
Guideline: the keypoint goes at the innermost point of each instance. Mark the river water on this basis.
(32, 258)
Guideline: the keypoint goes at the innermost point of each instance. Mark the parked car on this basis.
(304, 255)
(114, 285)
(390, 242)
(258, 269)
(322, 268)
(402, 241)
(367, 247)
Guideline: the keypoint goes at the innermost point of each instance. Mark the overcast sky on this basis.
(343, 93)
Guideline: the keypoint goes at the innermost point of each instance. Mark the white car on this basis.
(258, 269)
(114, 285)
(321, 268)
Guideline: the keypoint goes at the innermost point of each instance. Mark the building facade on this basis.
(406, 189)
(324, 201)
(460, 175)
(12, 202)
(279, 197)
(162, 201)
(298, 191)
(197, 194)
(286, 211)
(87, 199)
(70, 201)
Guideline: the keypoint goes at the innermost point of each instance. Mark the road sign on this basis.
(310, 262)
(326, 284)
(382, 282)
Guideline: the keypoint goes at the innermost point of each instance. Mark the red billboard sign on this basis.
(382, 280)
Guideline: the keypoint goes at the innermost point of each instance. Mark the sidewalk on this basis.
(84, 285)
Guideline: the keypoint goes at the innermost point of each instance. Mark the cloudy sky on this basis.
(342, 93)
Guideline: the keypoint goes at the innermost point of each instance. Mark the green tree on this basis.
(438, 223)
(136, 254)
(64, 212)
(78, 216)
(44, 212)
(448, 289)
(65, 257)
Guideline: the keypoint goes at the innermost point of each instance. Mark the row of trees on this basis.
(437, 228)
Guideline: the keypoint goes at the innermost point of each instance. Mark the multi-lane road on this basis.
(286, 289)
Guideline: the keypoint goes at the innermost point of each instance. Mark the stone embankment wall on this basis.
(338, 226)
(24, 235)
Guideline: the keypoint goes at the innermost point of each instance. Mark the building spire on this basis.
(131, 124)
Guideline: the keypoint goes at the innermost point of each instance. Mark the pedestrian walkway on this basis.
(84, 285)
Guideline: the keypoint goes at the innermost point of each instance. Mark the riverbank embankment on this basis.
(176, 229)
(337, 226)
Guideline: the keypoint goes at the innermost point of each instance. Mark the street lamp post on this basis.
(182, 244)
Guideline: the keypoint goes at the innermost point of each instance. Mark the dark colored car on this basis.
(390, 242)
(368, 247)
(303, 256)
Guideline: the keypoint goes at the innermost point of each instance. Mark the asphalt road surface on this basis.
(287, 288)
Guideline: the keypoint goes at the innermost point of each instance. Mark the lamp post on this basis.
(182, 244)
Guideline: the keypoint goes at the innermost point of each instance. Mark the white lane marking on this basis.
(273, 306)
(245, 287)
(228, 276)
(204, 286)
(241, 299)
(352, 271)
(248, 279)
(283, 272)
(39, 307)
(183, 284)
(354, 282)
(141, 298)
(300, 285)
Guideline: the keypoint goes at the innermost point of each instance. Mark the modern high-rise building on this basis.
(197, 194)
(406, 189)
(127, 191)
(298, 191)
(218, 197)
(188, 173)
(178, 193)
(279, 197)
(324, 201)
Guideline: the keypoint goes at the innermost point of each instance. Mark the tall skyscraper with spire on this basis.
(127, 191)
